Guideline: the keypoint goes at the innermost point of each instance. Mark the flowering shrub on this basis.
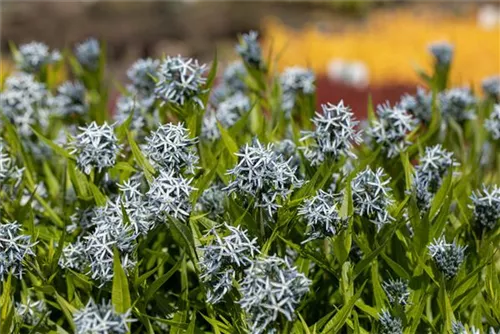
(237, 207)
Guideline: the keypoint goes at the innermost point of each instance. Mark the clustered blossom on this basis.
(491, 86)
(70, 99)
(419, 105)
(110, 232)
(263, 176)
(101, 319)
(134, 201)
(486, 206)
(390, 324)
(442, 52)
(9, 172)
(271, 287)
(228, 112)
(142, 74)
(334, 135)
(24, 101)
(249, 49)
(322, 216)
(96, 147)
(371, 196)
(492, 124)
(180, 80)
(31, 312)
(31, 57)
(391, 129)
(223, 258)
(171, 148)
(295, 81)
(430, 172)
(126, 105)
(15, 248)
(457, 104)
(168, 195)
(288, 150)
(212, 201)
(447, 257)
(88, 53)
(73, 256)
(234, 77)
(397, 291)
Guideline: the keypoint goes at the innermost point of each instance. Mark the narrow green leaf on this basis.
(120, 294)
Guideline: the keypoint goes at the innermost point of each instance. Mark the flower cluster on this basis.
(15, 248)
(295, 81)
(70, 99)
(288, 150)
(249, 49)
(126, 105)
(390, 324)
(491, 86)
(142, 74)
(492, 124)
(418, 105)
(442, 53)
(322, 216)
(334, 135)
(31, 312)
(180, 80)
(88, 53)
(263, 176)
(168, 195)
(447, 257)
(32, 57)
(24, 101)
(101, 319)
(371, 196)
(96, 147)
(234, 77)
(212, 201)
(397, 291)
(391, 129)
(457, 104)
(271, 286)
(429, 174)
(223, 258)
(171, 148)
(9, 172)
(486, 206)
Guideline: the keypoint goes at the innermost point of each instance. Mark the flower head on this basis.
(371, 196)
(33, 56)
(486, 206)
(288, 150)
(9, 172)
(168, 195)
(212, 201)
(271, 287)
(447, 257)
(73, 256)
(171, 148)
(249, 49)
(101, 319)
(442, 52)
(180, 80)
(209, 129)
(88, 53)
(70, 99)
(457, 104)
(434, 165)
(233, 77)
(295, 81)
(391, 129)
(31, 312)
(492, 124)
(231, 109)
(419, 105)
(15, 248)
(262, 175)
(223, 258)
(96, 147)
(397, 291)
(142, 74)
(334, 135)
(322, 217)
(491, 86)
(389, 324)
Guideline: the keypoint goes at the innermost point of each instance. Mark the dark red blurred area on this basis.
(357, 98)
